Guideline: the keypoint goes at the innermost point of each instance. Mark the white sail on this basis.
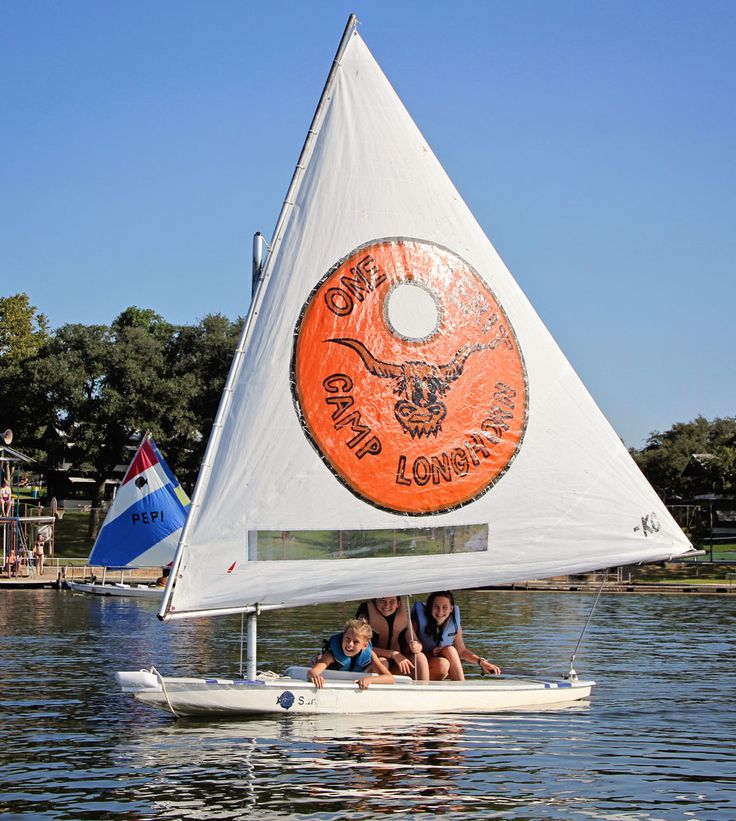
(394, 376)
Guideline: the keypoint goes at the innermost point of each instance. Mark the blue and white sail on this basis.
(143, 523)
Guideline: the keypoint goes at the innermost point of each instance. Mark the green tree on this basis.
(89, 392)
(201, 358)
(101, 388)
(666, 456)
(68, 381)
(22, 329)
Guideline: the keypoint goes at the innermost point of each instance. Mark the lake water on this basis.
(656, 741)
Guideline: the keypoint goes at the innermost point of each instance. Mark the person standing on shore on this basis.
(38, 553)
(6, 498)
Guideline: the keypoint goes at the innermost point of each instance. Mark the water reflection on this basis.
(320, 765)
(313, 764)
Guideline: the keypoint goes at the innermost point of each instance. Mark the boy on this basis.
(351, 650)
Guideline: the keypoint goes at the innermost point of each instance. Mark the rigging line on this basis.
(411, 634)
(572, 674)
(163, 687)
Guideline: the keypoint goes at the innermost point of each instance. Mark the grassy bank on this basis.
(70, 532)
(71, 537)
(702, 571)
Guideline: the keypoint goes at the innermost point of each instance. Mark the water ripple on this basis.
(655, 743)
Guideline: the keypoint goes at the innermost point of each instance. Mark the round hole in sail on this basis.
(411, 312)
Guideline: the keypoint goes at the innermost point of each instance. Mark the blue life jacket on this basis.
(448, 632)
(357, 663)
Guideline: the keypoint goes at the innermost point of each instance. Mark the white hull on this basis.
(140, 591)
(285, 694)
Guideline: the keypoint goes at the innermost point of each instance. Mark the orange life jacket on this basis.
(388, 638)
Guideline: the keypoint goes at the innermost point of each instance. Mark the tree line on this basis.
(691, 459)
(81, 393)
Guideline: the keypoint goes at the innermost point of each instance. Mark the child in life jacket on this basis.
(351, 650)
(393, 636)
(437, 626)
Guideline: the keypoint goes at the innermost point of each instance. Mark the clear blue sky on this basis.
(144, 142)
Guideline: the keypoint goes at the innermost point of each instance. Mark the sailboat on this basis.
(142, 525)
(396, 420)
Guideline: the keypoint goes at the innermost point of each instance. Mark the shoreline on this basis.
(724, 588)
(55, 580)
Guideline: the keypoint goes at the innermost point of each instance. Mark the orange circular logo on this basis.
(408, 378)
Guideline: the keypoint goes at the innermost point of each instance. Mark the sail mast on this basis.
(258, 246)
(256, 299)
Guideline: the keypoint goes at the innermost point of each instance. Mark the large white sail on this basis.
(394, 376)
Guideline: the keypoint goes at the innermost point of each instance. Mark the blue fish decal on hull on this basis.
(286, 699)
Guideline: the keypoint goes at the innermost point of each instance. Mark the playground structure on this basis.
(19, 529)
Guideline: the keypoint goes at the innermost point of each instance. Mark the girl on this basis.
(437, 626)
(38, 553)
(390, 624)
(6, 498)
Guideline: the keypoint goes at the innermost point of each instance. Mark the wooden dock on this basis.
(48, 580)
(55, 573)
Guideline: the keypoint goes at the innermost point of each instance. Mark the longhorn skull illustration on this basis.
(420, 412)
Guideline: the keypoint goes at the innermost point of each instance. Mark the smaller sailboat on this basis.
(142, 526)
